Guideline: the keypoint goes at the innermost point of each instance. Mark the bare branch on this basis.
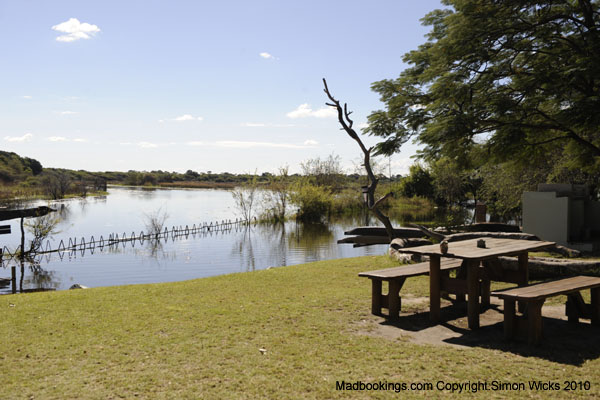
(384, 198)
(346, 123)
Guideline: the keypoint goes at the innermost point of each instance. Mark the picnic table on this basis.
(473, 256)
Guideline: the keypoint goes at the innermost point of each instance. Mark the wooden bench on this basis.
(396, 278)
(535, 295)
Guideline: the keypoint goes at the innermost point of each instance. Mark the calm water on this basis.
(194, 256)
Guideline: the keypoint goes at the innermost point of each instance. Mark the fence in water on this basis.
(114, 239)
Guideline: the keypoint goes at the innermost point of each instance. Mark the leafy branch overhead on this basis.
(519, 79)
(346, 123)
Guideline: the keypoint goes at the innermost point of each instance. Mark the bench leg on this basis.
(576, 307)
(534, 321)
(595, 306)
(485, 293)
(509, 319)
(376, 297)
(394, 301)
(523, 276)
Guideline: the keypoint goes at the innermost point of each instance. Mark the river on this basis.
(125, 210)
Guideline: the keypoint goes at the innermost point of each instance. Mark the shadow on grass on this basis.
(562, 342)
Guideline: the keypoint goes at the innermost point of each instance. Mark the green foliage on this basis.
(14, 168)
(347, 201)
(245, 198)
(276, 197)
(313, 202)
(41, 228)
(521, 78)
(503, 185)
(419, 182)
(450, 181)
(327, 172)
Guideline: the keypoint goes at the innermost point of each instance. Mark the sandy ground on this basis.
(562, 342)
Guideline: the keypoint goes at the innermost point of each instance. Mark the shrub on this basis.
(313, 202)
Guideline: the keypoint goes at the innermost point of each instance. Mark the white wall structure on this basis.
(564, 214)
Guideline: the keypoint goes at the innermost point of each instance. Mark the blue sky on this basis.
(204, 85)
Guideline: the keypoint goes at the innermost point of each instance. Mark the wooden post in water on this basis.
(22, 240)
(13, 273)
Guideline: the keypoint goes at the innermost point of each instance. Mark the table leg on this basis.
(473, 293)
(434, 288)
(523, 276)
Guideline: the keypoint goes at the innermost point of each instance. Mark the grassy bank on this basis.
(201, 339)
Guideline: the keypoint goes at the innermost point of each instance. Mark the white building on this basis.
(564, 214)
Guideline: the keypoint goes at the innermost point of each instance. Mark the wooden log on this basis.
(553, 267)
(455, 237)
(489, 227)
(26, 213)
(403, 243)
(401, 232)
(365, 240)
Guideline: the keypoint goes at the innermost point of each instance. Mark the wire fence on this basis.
(113, 239)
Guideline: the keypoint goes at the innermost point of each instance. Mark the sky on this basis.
(221, 86)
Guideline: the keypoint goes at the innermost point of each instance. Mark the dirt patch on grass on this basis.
(562, 341)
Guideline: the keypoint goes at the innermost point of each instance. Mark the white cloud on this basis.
(363, 125)
(262, 124)
(25, 138)
(246, 145)
(27, 97)
(75, 30)
(310, 142)
(57, 139)
(80, 140)
(147, 145)
(68, 112)
(266, 55)
(304, 111)
(187, 117)
(253, 124)
(195, 143)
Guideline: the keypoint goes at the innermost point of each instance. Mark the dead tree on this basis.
(346, 122)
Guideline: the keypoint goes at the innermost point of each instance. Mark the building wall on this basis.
(546, 216)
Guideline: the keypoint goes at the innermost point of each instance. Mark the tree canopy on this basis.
(512, 79)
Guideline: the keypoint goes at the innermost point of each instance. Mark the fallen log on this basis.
(27, 213)
(488, 227)
(401, 232)
(398, 244)
(455, 237)
(546, 267)
(365, 240)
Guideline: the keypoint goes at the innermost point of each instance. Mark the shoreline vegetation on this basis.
(191, 340)
(321, 191)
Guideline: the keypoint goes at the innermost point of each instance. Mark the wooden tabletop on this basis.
(467, 249)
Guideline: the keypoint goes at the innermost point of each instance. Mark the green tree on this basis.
(519, 77)
(419, 182)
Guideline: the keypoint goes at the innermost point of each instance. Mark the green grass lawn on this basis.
(201, 339)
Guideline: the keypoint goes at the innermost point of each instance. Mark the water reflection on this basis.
(244, 249)
(183, 257)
